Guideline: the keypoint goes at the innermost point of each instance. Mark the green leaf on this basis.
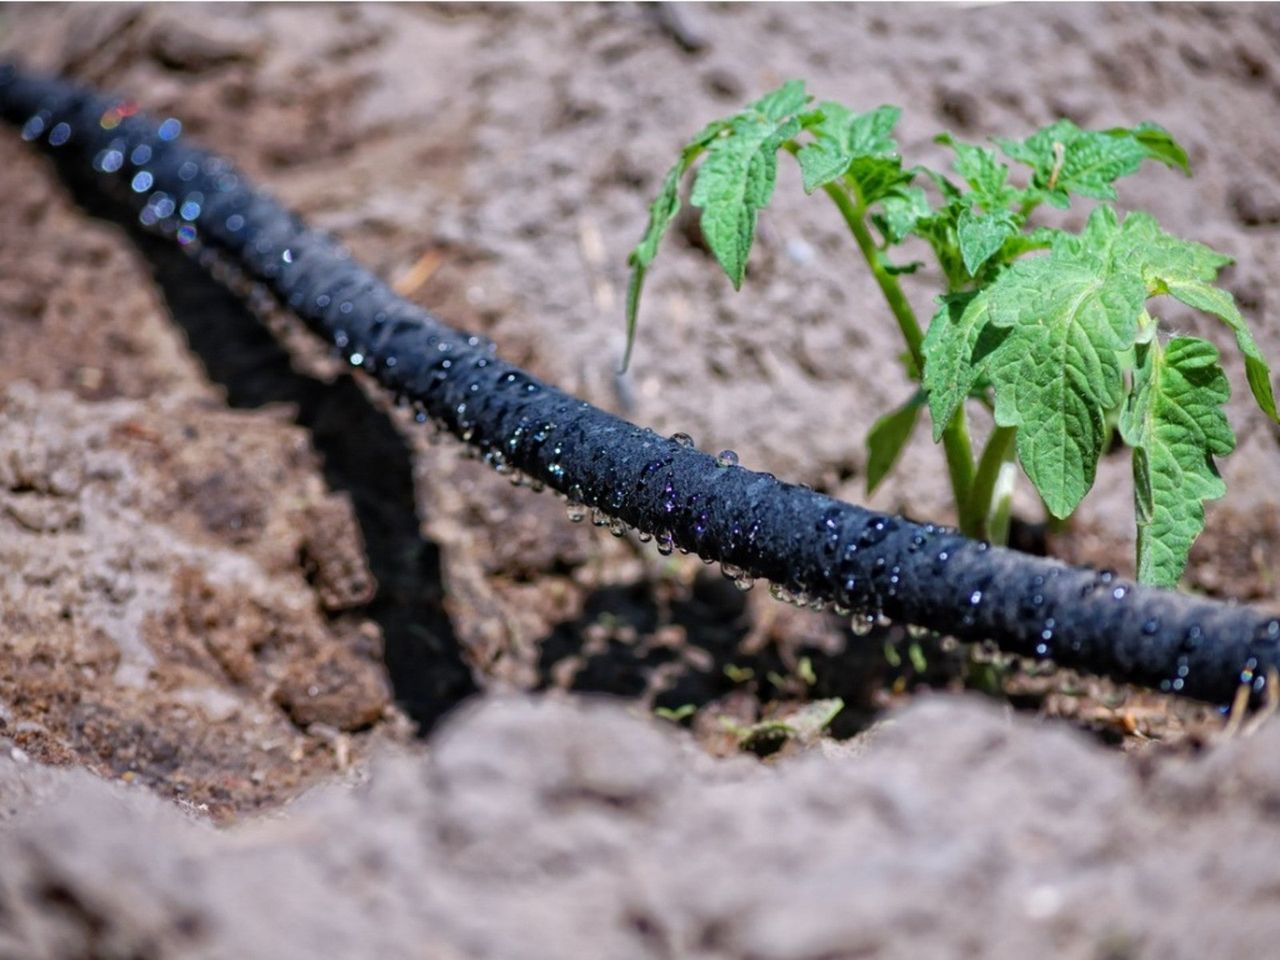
(1175, 425)
(982, 170)
(780, 105)
(1041, 238)
(982, 236)
(737, 177)
(843, 136)
(957, 348)
(1053, 336)
(1066, 160)
(677, 714)
(1163, 257)
(877, 178)
(739, 182)
(1186, 270)
(1069, 316)
(1159, 144)
(662, 211)
(887, 438)
(1222, 305)
(900, 212)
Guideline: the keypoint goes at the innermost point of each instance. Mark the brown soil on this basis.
(229, 571)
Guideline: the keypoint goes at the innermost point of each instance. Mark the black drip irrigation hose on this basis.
(815, 550)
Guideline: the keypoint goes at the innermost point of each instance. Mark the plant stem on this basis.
(955, 439)
(854, 217)
(998, 452)
(955, 443)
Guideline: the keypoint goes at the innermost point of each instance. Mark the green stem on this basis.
(980, 513)
(955, 439)
(1002, 510)
(854, 216)
(955, 443)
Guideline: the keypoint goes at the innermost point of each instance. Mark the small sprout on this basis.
(803, 724)
(677, 714)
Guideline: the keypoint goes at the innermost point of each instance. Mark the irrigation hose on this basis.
(814, 549)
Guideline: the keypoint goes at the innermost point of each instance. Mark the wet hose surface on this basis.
(812, 547)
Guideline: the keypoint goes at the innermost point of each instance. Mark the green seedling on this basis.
(805, 724)
(676, 714)
(1050, 331)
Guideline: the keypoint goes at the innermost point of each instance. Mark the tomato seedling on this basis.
(1047, 329)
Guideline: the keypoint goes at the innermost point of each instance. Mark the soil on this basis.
(242, 597)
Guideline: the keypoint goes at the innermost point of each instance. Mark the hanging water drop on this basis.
(576, 511)
(665, 543)
(861, 624)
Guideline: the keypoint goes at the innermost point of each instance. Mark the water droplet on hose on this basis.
(33, 127)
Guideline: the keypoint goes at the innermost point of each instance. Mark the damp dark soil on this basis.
(280, 676)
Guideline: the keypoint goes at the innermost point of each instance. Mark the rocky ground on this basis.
(238, 591)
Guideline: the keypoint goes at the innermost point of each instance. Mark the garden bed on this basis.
(194, 518)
